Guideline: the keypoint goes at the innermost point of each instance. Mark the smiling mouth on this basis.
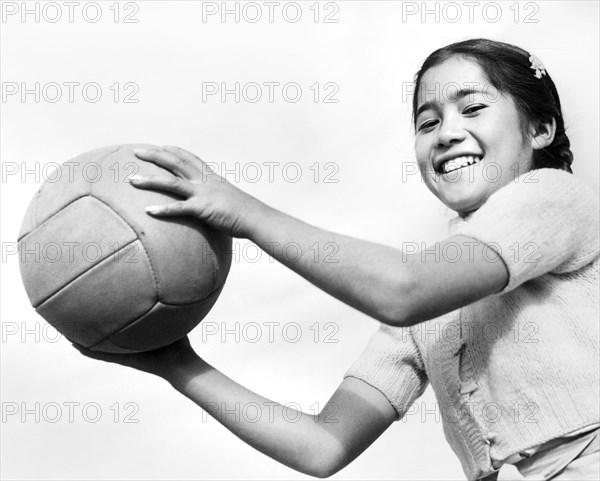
(459, 162)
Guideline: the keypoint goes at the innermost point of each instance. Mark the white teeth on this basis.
(459, 162)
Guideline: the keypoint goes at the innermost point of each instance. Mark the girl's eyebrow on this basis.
(453, 98)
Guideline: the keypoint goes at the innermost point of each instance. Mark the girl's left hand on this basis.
(208, 196)
(162, 362)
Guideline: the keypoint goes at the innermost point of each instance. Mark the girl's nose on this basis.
(449, 132)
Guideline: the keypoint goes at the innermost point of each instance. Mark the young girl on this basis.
(491, 145)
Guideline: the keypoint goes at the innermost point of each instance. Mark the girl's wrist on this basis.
(254, 216)
(184, 369)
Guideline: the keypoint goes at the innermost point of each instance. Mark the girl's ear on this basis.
(542, 134)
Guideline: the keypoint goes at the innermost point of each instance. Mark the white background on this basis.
(371, 54)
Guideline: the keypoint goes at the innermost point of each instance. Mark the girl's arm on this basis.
(395, 287)
(392, 286)
(317, 445)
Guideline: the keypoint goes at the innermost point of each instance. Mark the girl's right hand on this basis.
(162, 362)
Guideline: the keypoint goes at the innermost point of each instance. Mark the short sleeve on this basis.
(392, 364)
(545, 221)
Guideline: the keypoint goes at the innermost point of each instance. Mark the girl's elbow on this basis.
(327, 462)
(398, 307)
(396, 313)
(324, 474)
(393, 317)
(326, 469)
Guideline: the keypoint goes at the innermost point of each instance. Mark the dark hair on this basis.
(508, 69)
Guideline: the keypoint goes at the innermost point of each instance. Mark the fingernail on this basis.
(139, 151)
(153, 209)
(134, 179)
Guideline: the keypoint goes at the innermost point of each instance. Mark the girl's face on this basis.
(468, 136)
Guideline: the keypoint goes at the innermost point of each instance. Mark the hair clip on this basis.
(538, 66)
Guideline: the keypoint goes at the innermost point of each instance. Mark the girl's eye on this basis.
(473, 108)
(426, 125)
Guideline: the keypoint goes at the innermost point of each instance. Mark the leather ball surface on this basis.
(106, 274)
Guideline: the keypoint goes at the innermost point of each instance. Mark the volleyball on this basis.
(103, 272)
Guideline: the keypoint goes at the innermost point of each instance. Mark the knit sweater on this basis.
(520, 367)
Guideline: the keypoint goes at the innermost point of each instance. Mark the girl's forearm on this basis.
(395, 287)
(369, 277)
(293, 438)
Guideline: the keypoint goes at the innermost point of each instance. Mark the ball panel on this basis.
(68, 244)
(218, 246)
(104, 299)
(76, 177)
(163, 325)
(181, 250)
